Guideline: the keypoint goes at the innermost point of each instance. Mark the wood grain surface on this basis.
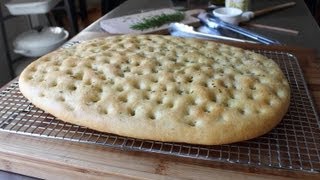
(58, 159)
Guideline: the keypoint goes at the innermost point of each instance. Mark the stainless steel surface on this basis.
(293, 145)
(182, 30)
(13, 176)
(297, 17)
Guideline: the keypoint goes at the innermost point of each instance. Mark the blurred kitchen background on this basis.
(72, 15)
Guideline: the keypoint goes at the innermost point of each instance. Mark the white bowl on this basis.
(34, 44)
(229, 15)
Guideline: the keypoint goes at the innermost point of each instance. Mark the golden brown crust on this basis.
(160, 88)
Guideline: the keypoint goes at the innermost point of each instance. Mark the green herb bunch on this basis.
(157, 21)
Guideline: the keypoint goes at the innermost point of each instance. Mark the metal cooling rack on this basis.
(293, 145)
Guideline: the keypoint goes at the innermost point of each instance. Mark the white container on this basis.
(34, 43)
(24, 7)
(229, 15)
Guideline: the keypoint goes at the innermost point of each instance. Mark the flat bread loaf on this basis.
(160, 88)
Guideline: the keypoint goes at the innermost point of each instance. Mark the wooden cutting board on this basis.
(121, 25)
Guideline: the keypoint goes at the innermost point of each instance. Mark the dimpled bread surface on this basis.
(160, 88)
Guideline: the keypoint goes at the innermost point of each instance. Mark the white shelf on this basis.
(25, 7)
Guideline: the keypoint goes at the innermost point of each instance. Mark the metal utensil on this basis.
(246, 16)
(182, 30)
(213, 22)
(273, 8)
(273, 28)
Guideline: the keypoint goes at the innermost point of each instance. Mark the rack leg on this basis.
(51, 19)
(30, 21)
(83, 9)
(6, 46)
(70, 7)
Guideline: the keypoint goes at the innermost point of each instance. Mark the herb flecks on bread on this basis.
(160, 88)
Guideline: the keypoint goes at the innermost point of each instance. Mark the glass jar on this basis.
(244, 5)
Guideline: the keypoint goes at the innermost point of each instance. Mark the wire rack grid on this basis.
(293, 145)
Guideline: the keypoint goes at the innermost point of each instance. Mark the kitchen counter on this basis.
(296, 18)
(57, 159)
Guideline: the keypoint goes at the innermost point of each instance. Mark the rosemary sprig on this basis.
(157, 21)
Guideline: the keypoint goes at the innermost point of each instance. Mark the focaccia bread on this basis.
(160, 88)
